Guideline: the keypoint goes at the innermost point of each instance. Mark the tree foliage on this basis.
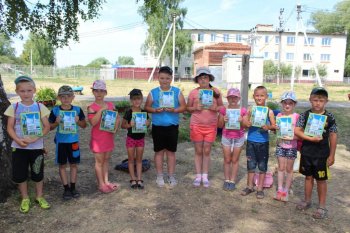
(56, 19)
(286, 70)
(321, 69)
(158, 16)
(125, 60)
(43, 53)
(270, 68)
(7, 52)
(96, 63)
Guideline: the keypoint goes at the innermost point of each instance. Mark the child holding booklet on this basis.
(67, 118)
(259, 119)
(27, 124)
(105, 122)
(286, 149)
(136, 122)
(318, 129)
(232, 140)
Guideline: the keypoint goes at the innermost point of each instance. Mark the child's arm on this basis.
(97, 115)
(148, 106)
(53, 120)
(299, 132)
(246, 123)
(193, 104)
(126, 125)
(221, 121)
(272, 125)
(80, 120)
(12, 133)
(332, 146)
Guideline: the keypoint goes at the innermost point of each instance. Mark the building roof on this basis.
(224, 46)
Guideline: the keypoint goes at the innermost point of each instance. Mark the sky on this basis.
(120, 30)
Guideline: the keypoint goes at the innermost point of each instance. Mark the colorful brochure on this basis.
(206, 97)
(139, 118)
(259, 115)
(233, 116)
(286, 129)
(108, 120)
(166, 99)
(315, 125)
(67, 124)
(31, 124)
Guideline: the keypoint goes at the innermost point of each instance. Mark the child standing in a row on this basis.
(102, 142)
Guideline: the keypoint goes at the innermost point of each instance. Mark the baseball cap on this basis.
(23, 78)
(204, 70)
(233, 92)
(65, 90)
(135, 92)
(289, 95)
(99, 85)
(319, 91)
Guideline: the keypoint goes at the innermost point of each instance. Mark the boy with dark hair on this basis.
(67, 118)
(317, 153)
(27, 132)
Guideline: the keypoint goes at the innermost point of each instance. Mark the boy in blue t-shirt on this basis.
(258, 144)
(67, 118)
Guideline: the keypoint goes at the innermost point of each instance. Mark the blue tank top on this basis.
(165, 118)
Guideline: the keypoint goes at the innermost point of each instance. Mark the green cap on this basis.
(24, 78)
(65, 90)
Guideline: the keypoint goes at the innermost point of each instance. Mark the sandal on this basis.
(140, 184)
(320, 213)
(113, 186)
(247, 191)
(133, 184)
(303, 205)
(105, 189)
(260, 194)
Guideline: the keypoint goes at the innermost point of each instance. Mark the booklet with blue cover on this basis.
(315, 125)
(206, 97)
(233, 116)
(67, 124)
(31, 124)
(108, 120)
(286, 129)
(166, 99)
(140, 119)
(259, 115)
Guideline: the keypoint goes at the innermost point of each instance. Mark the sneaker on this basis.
(232, 186)
(172, 181)
(278, 195)
(67, 195)
(284, 196)
(206, 183)
(197, 182)
(42, 203)
(160, 181)
(25, 205)
(75, 193)
(226, 186)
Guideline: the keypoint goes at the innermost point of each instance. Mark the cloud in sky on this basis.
(227, 4)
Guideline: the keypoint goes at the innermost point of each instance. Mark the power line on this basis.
(111, 30)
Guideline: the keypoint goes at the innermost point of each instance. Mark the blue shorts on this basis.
(257, 156)
(288, 153)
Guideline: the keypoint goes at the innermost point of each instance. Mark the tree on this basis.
(7, 52)
(347, 66)
(286, 70)
(270, 68)
(321, 69)
(96, 63)
(158, 16)
(125, 60)
(43, 53)
(58, 20)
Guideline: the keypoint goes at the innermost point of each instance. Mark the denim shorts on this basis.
(257, 156)
(288, 153)
(232, 142)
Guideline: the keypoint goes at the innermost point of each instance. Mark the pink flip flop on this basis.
(105, 189)
(113, 186)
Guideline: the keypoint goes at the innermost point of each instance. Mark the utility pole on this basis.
(251, 40)
(280, 30)
(173, 65)
(31, 61)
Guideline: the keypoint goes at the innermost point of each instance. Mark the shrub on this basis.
(45, 94)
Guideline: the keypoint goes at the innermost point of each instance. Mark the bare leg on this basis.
(206, 157)
(227, 161)
(73, 173)
(322, 192)
(198, 157)
(235, 163)
(39, 188)
(63, 174)
(131, 159)
(99, 159)
(261, 181)
(23, 189)
(289, 170)
(105, 167)
(139, 154)
(250, 179)
(281, 171)
(158, 160)
(309, 184)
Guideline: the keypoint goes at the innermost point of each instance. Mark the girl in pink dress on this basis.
(102, 142)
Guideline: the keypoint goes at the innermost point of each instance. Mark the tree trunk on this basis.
(5, 148)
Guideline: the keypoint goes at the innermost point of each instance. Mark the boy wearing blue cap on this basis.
(27, 124)
(317, 152)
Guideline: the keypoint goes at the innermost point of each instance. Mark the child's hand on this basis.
(315, 139)
(76, 118)
(132, 124)
(225, 118)
(330, 161)
(21, 142)
(148, 122)
(30, 140)
(45, 152)
(158, 110)
(58, 119)
(169, 109)
(240, 119)
(249, 123)
(265, 127)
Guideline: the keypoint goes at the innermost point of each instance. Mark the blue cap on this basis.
(23, 78)
(289, 95)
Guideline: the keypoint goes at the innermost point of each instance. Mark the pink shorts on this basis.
(131, 143)
(202, 133)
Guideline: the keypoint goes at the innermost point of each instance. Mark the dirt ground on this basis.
(182, 209)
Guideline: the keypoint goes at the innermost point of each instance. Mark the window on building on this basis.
(326, 41)
(200, 37)
(310, 40)
(306, 73)
(266, 39)
(277, 55)
(336, 71)
(226, 37)
(213, 37)
(238, 38)
(289, 56)
(325, 57)
(266, 54)
(277, 40)
(307, 57)
(187, 70)
(290, 40)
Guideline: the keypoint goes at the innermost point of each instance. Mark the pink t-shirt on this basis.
(233, 133)
(204, 117)
(289, 144)
(101, 141)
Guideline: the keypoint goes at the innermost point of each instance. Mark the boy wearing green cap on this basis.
(27, 124)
